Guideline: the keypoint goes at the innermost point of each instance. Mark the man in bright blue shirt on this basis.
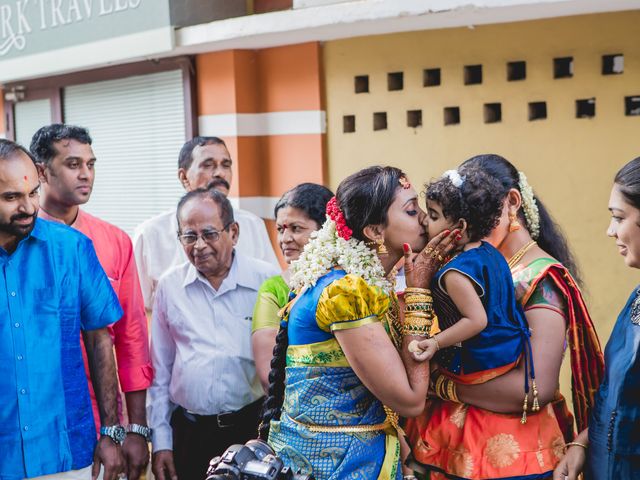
(52, 288)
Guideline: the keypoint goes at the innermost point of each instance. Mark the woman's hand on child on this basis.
(420, 268)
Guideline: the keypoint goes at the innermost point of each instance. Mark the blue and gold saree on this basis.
(331, 425)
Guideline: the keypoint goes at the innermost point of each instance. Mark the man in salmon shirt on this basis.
(66, 166)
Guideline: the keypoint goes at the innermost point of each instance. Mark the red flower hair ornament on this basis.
(335, 213)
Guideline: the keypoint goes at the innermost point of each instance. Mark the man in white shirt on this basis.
(204, 162)
(205, 394)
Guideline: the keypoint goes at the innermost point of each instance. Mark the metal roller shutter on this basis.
(138, 127)
(29, 117)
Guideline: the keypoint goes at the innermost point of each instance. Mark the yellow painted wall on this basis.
(570, 162)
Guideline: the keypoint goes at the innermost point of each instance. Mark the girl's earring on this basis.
(382, 249)
(514, 224)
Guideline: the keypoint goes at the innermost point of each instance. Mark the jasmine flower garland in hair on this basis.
(529, 206)
(327, 250)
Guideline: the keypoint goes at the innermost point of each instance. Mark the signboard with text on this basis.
(38, 37)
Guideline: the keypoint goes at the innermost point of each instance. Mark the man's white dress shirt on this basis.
(157, 249)
(201, 344)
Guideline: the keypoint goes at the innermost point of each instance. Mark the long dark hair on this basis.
(364, 198)
(311, 198)
(551, 239)
(628, 180)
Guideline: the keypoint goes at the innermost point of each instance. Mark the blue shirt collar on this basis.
(39, 230)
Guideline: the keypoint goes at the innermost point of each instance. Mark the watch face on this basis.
(119, 433)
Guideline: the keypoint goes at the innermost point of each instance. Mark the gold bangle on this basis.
(415, 332)
(419, 318)
(423, 291)
(576, 444)
(446, 389)
(435, 339)
(410, 297)
(418, 307)
(417, 294)
(421, 301)
(419, 330)
(437, 387)
(417, 321)
(452, 393)
(423, 315)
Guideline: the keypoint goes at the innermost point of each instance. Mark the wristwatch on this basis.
(140, 430)
(115, 433)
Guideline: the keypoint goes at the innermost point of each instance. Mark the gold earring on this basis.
(514, 224)
(382, 249)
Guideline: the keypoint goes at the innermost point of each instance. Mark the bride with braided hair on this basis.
(341, 372)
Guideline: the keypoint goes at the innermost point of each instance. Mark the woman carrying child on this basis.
(487, 427)
(341, 370)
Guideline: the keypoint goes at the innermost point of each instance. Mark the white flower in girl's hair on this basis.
(455, 178)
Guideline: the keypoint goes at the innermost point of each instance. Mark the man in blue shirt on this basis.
(51, 288)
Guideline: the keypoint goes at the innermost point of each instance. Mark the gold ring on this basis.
(440, 258)
(429, 250)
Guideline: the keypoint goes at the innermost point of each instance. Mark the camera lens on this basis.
(260, 448)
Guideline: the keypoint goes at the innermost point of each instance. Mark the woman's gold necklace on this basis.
(513, 261)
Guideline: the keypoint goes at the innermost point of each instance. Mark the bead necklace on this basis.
(513, 261)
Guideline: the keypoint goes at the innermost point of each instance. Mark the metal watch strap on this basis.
(140, 430)
(116, 433)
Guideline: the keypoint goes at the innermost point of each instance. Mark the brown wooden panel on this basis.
(262, 6)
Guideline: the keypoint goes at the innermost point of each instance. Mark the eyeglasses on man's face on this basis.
(208, 236)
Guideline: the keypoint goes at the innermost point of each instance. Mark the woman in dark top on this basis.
(610, 448)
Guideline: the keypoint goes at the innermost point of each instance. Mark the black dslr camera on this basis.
(254, 460)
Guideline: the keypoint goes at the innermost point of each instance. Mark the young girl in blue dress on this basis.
(483, 329)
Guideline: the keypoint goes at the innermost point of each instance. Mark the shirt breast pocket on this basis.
(48, 312)
(239, 329)
(177, 322)
(46, 301)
